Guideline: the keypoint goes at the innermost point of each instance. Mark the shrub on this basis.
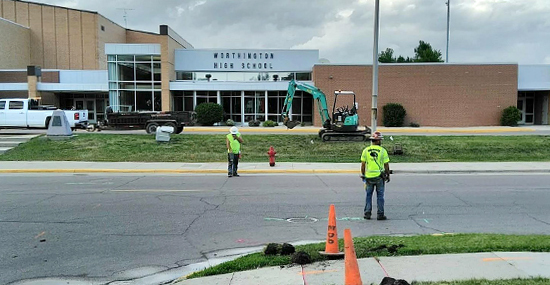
(254, 123)
(269, 123)
(394, 115)
(209, 113)
(230, 122)
(510, 116)
(414, 125)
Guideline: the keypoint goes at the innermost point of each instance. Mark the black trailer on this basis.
(148, 120)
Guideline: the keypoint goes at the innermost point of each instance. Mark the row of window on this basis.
(255, 104)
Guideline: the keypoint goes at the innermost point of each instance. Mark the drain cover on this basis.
(305, 220)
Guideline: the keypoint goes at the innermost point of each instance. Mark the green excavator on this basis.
(344, 124)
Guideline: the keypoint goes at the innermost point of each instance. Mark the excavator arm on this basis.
(317, 94)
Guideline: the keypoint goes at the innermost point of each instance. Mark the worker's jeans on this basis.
(379, 183)
(232, 163)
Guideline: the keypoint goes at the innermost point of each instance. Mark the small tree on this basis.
(209, 113)
(510, 116)
(394, 115)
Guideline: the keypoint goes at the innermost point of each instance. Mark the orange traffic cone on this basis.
(353, 277)
(331, 246)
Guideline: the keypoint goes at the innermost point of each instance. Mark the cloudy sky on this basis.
(342, 30)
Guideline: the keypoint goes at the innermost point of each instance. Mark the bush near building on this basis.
(209, 113)
(269, 123)
(394, 115)
(510, 116)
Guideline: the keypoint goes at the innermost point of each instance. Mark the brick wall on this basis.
(432, 94)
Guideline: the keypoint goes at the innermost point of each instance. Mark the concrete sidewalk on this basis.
(435, 268)
(264, 168)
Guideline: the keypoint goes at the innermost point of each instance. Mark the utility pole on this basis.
(125, 16)
(374, 115)
(448, 29)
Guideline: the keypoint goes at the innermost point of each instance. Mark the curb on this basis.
(262, 171)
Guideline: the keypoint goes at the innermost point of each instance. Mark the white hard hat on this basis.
(234, 130)
(376, 136)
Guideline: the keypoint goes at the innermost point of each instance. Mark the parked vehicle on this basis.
(149, 121)
(27, 113)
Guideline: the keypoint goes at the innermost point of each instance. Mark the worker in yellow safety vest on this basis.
(233, 141)
(375, 171)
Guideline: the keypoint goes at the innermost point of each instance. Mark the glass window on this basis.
(303, 76)
(272, 107)
(184, 75)
(249, 105)
(126, 85)
(201, 100)
(530, 106)
(143, 72)
(296, 107)
(188, 104)
(287, 76)
(2, 105)
(144, 101)
(125, 57)
(156, 57)
(308, 104)
(142, 86)
(16, 105)
(226, 104)
(158, 101)
(236, 105)
(156, 72)
(127, 98)
(126, 71)
(236, 117)
(143, 58)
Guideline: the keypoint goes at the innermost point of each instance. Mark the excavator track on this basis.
(331, 136)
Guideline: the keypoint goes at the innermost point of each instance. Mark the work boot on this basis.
(229, 175)
(236, 175)
(367, 216)
(381, 217)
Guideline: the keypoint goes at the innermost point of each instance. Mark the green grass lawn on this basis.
(413, 245)
(290, 148)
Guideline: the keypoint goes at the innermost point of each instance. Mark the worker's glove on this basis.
(364, 178)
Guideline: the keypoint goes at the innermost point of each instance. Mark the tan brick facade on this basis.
(62, 38)
(15, 41)
(432, 94)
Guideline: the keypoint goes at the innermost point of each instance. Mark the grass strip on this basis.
(404, 246)
(290, 148)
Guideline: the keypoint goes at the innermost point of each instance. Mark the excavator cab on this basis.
(343, 118)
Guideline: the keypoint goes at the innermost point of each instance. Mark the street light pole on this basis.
(374, 115)
(448, 29)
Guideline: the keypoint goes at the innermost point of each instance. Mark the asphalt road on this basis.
(102, 225)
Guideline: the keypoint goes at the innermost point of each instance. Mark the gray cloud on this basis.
(481, 30)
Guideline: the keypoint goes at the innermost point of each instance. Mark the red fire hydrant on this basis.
(271, 154)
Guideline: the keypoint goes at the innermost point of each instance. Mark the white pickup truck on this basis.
(27, 113)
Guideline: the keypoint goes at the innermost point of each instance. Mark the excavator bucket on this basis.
(291, 124)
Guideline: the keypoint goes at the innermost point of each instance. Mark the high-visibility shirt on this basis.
(234, 143)
(375, 157)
